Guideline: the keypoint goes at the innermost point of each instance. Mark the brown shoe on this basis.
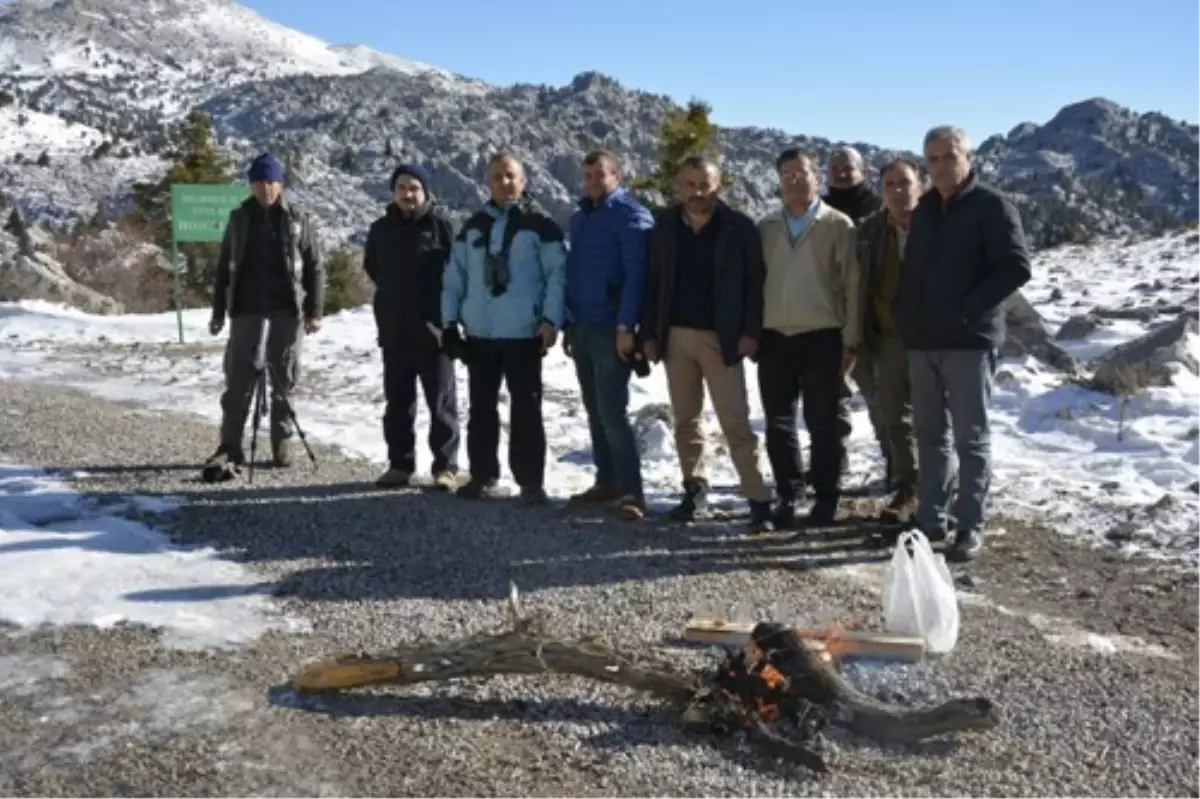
(596, 495)
(631, 509)
(901, 507)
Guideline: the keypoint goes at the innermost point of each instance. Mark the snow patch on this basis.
(65, 560)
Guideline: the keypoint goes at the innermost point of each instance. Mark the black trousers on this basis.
(518, 364)
(805, 367)
(403, 368)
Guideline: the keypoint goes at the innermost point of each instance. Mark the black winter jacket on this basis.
(405, 258)
(962, 260)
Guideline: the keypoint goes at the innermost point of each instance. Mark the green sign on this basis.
(199, 211)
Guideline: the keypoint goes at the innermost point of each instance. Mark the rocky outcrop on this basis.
(343, 117)
(40, 277)
(1149, 360)
(1027, 335)
(1078, 327)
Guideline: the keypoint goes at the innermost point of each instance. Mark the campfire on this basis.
(779, 689)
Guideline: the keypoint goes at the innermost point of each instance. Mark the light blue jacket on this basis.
(536, 282)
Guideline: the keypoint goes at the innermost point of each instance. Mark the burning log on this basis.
(776, 689)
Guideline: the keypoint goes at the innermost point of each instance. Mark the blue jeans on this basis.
(604, 383)
(950, 392)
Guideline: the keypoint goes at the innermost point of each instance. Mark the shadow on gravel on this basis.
(618, 727)
(382, 545)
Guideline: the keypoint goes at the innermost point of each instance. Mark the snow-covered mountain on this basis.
(92, 83)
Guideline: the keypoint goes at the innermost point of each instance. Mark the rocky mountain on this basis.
(87, 88)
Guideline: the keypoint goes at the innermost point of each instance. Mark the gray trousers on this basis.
(284, 341)
(950, 392)
(892, 411)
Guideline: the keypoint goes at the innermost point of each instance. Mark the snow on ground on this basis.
(66, 559)
(1063, 457)
(30, 133)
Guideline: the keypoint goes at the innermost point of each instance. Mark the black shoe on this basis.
(784, 517)
(823, 512)
(761, 520)
(534, 495)
(695, 501)
(967, 546)
(479, 489)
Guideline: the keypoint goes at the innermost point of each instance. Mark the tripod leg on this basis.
(260, 389)
(291, 412)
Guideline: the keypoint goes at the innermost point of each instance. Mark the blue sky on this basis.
(880, 72)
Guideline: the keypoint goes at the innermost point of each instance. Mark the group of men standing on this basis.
(903, 293)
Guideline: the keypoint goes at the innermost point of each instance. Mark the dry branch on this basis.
(703, 699)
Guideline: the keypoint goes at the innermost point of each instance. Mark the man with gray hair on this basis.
(965, 255)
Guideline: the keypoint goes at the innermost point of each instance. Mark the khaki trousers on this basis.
(694, 362)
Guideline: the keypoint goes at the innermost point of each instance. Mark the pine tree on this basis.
(682, 134)
(20, 231)
(388, 151)
(197, 159)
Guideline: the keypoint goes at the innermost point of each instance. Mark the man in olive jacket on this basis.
(405, 257)
(965, 255)
(269, 272)
(702, 315)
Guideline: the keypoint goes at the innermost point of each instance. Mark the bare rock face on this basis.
(1079, 327)
(40, 277)
(1027, 334)
(1147, 360)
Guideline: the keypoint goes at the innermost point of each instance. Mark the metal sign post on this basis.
(199, 212)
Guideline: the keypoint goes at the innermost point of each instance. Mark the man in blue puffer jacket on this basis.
(606, 276)
(502, 308)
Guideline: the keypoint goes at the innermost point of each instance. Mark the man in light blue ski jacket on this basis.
(502, 308)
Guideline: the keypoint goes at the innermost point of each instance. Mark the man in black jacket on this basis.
(965, 254)
(406, 253)
(848, 191)
(702, 314)
(270, 281)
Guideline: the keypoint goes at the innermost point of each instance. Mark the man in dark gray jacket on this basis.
(269, 272)
(965, 254)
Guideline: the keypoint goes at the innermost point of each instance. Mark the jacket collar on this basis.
(778, 215)
(586, 204)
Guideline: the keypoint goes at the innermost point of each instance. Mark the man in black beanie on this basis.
(269, 270)
(406, 253)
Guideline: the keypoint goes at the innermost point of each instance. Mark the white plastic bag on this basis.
(920, 599)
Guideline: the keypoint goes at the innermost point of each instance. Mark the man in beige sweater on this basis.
(811, 324)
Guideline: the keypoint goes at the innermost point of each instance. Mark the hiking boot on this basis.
(534, 495)
(281, 453)
(631, 509)
(479, 489)
(823, 512)
(761, 520)
(445, 480)
(695, 501)
(784, 517)
(394, 478)
(224, 464)
(596, 495)
(968, 545)
(900, 508)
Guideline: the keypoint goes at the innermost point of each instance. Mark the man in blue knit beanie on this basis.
(270, 271)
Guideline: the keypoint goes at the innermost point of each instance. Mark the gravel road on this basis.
(118, 712)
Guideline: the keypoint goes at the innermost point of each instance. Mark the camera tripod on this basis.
(258, 404)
